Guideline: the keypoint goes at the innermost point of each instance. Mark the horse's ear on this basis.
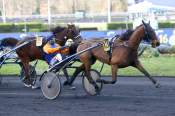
(70, 24)
(143, 22)
(149, 22)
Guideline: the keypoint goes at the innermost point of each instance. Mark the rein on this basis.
(77, 39)
(78, 36)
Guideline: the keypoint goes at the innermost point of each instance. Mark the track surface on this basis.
(129, 97)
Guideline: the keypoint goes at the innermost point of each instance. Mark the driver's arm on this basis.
(47, 49)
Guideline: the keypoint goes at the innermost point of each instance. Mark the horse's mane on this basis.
(126, 35)
(25, 39)
(145, 38)
(57, 29)
(9, 41)
(138, 26)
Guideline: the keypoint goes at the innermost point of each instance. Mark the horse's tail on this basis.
(8, 42)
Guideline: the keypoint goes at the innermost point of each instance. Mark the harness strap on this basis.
(111, 44)
(125, 43)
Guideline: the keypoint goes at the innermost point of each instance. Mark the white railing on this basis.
(88, 17)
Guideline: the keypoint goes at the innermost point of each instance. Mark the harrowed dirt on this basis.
(128, 97)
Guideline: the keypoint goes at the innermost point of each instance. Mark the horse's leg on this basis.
(66, 74)
(142, 50)
(71, 79)
(67, 79)
(114, 69)
(89, 77)
(141, 69)
(26, 80)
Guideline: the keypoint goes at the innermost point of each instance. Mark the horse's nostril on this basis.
(158, 43)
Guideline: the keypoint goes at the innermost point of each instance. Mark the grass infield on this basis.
(163, 65)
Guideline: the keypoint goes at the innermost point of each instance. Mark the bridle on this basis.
(75, 35)
(148, 32)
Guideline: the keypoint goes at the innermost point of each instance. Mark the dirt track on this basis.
(129, 97)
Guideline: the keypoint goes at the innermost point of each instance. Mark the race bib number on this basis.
(106, 44)
(58, 57)
(39, 41)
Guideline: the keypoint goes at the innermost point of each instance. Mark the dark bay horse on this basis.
(122, 55)
(31, 52)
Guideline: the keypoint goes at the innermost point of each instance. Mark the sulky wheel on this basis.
(50, 85)
(89, 88)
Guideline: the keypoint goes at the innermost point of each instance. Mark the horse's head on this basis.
(62, 34)
(74, 33)
(150, 35)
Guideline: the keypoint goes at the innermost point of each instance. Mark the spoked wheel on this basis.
(50, 85)
(33, 75)
(89, 88)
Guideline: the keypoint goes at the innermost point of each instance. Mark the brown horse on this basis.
(122, 55)
(31, 52)
(119, 39)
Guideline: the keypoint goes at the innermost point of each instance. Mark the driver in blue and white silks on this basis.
(54, 52)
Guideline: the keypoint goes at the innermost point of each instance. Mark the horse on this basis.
(118, 38)
(31, 52)
(121, 55)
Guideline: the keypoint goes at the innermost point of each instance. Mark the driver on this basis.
(54, 52)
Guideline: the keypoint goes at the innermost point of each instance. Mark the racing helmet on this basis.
(52, 41)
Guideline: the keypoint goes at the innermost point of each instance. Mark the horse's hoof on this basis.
(66, 83)
(97, 91)
(27, 85)
(72, 87)
(99, 80)
(113, 82)
(157, 85)
(35, 86)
